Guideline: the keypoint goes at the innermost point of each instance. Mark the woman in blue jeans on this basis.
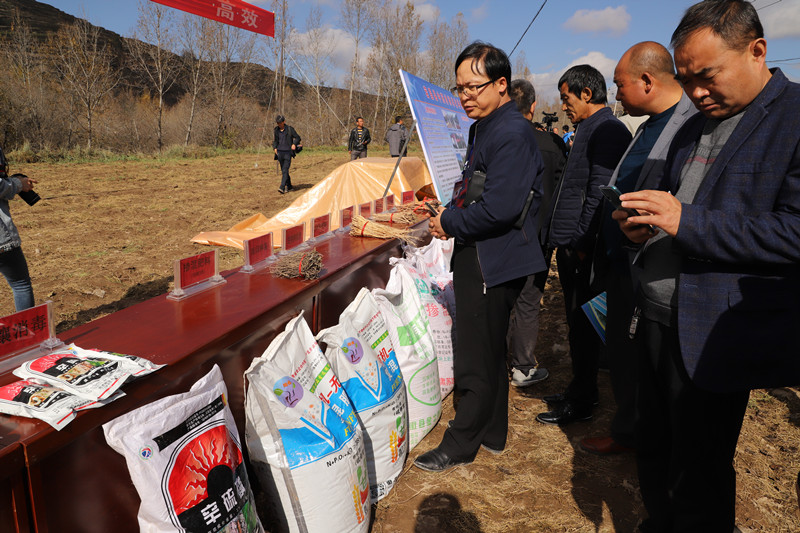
(12, 262)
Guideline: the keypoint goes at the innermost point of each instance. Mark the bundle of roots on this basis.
(398, 217)
(418, 207)
(307, 265)
(361, 227)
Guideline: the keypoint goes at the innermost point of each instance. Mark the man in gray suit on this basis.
(645, 79)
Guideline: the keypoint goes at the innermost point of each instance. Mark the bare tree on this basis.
(152, 53)
(193, 38)
(316, 48)
(283, 31)
(27, 78)
(86, 68)
(445, 42)
(230, 52)
(521, 68)
(355, 16)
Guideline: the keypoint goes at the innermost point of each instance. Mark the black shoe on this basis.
(564, 414)
(290, 189)
(557, 400)
(281, 191)
(436, 460)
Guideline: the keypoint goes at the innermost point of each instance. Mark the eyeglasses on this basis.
(469, 90)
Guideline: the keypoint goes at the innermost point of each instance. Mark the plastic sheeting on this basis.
(353, 183)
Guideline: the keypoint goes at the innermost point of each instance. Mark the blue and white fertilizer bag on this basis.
(410, 333)
(305, 443)
(361, 354)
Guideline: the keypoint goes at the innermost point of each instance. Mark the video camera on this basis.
(548, 120)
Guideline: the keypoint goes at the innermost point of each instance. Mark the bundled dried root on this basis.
(398, 217)
(417, 207)
(361, 227)
(307, 265)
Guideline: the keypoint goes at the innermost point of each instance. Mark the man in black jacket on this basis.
(359, 139)
(285, 145)
(524, 328)
(571, 228)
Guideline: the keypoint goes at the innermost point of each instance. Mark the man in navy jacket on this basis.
(729, 246)
(493, 256)
(599, 142)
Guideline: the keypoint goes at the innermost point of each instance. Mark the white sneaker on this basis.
(534, 375)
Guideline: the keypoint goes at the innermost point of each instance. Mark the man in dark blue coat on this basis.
(496, 250)
(599, 142)
(720, 281)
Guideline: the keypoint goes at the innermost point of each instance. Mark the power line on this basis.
(784, 60)
(529, 27)
(772, 4)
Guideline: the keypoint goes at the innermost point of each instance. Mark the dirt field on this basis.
(105, 236)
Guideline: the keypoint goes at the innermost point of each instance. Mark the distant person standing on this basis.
(359, 139)
(12, 261)
(523, 329)
(396, 136)
(567, 137)
(285, 146)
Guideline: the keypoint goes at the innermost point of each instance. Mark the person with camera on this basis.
(12, 261)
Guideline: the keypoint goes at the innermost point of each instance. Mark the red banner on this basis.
(233, 12)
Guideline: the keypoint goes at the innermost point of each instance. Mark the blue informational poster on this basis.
(443, 129)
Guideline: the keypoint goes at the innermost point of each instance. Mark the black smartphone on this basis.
(612, 194)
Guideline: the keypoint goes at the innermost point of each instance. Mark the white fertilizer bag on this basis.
(34, 399)
(433, 259)
(185, 460)
(304, 440)
(409, 331)
(362, 356)
(432, 296)
(89, 374)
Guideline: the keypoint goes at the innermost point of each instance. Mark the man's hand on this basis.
(435, 226)
(27, 183)
(275, 150)
(637, 233)
(294, 147)
(657, 208)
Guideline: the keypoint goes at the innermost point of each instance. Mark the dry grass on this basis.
(105, 235)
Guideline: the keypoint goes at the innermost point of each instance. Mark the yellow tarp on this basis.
(353, 183)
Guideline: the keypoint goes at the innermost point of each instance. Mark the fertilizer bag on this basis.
(362, 356)
(185, 460)
(432, 296)
(413, 344)
(304, 439)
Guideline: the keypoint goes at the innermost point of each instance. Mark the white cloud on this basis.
(479, 13)
(545, 82)
(781, 21)
(613, 20)
(427, 12)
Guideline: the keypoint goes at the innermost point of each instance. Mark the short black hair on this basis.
(523, 94)
(735, 21)
(582, 77)
(495, 61)
(359, 118)
(397, 119)
(565, 127)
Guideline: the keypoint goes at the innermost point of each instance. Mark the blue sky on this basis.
(564, 34)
